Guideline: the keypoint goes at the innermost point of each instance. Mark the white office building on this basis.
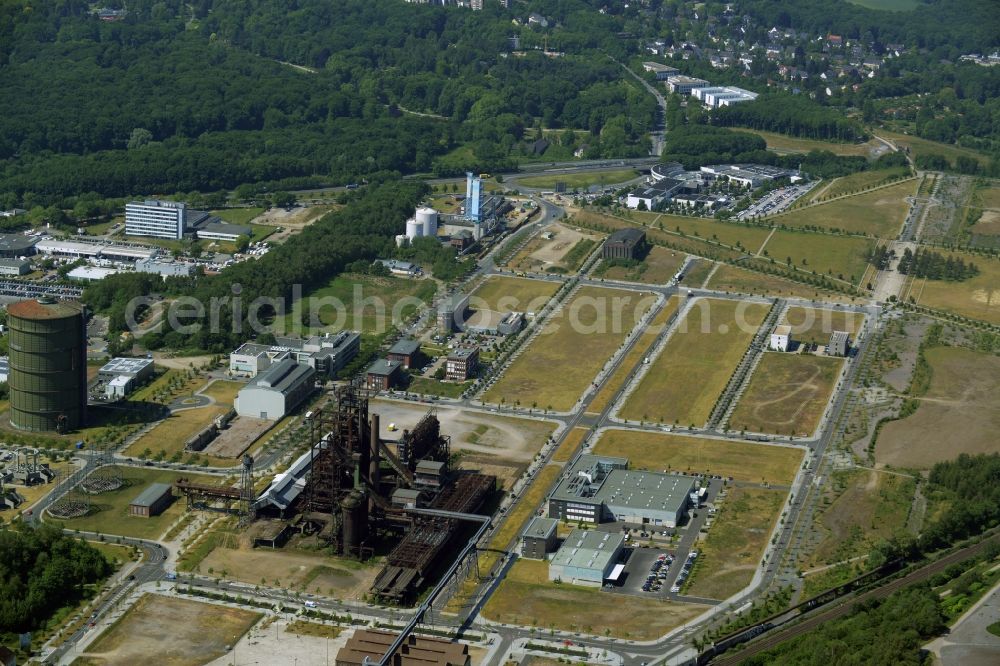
(155, 218)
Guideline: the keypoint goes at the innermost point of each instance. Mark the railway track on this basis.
(845, 606)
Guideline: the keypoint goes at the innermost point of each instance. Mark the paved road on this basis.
(969, 643)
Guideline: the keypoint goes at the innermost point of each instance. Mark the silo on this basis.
(48, 364)
(414, 229)
(354, 510)
(428, 219)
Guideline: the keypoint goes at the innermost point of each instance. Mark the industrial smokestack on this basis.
(374, 474)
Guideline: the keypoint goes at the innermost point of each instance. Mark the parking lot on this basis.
(775, 202)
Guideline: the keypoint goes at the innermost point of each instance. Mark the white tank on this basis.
(428, 218)
(414, 229)
(400, 240)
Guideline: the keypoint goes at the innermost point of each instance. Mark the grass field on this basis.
(687, 377)
(568, 446)
(579, 180)
(989, 195)
(697, 275)
(238, 215)
(741, 281)
(504, 294)
(109, 511)
(363, 302)
(658, 267)
(815, 325)
(731, 553)
(558, 365)
(223, 391)
(859, 508)
(978, 297)
(787, 394)
(878, 213)
(959, 413)
(527, 597)
(728, 233)
(863, 180)
(617, 379)
(920, 146)
(781, 143)
(180, 632)
(827, 255)
(744, 461)
(170, 436)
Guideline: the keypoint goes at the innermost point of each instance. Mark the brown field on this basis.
(741, 281)
(539, 254)
(959, 414)
(731, 553)
(744, 461)
(988, 223)
(527, 597)
(687, 377)
(815, 325)
(989, 196)
(659, 267)
(617, 379)
(978, 297)
(841, 257)
(290, 569)
(781, 143)
(568, 446)
(179, 632)
(504, 294)
(558, 365)
(170, 435)
(787, 394)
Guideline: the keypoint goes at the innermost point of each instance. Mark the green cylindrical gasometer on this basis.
(48, 365)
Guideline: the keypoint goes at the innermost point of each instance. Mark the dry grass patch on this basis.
(569, 444)
(564, 358)
(731, 553)
(504, 294)
(658, 267)
(781, 143)
(787, 394)
(743, 461)
(687, 377)
(223, 391)
(978, 297)
(171, 435)
(179, 632)
(815, 325)
(878, 213)
(741, 281)
(840, 257)
(617, 379)
(960, 412)
(527, 597)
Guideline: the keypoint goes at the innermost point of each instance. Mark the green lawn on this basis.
(863, 180)
(558, 365)
(109, 511)
(739, 280)
(920, 146)
(782, 143)
(237, 215)
(363, 302)
(728, 233)
(687, 377)
(888, 5)
(826, 254)
(744, 461)
(878, 213)
(428, 386)
(579, 180)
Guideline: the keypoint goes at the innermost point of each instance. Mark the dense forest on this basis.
(180, 97)
(42, 570)
(797, 116)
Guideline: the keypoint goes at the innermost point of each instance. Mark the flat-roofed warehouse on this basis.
(16, 245)
(587, 557)
(601, 489)
(368, 645)
(276, 391)
(151, 501)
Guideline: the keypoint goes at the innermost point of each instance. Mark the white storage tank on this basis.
(428, 219)
(414, 229)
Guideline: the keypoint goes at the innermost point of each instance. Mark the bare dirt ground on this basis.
(292, 221)
(237, 438)
(179, 632)
(959, 414)
(540, 253)
(291, 569)
(180, 362)
(503, 439)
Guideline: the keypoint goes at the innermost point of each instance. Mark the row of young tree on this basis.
(936, 266)
(41, 571)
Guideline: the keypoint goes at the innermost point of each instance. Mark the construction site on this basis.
(363, 496)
